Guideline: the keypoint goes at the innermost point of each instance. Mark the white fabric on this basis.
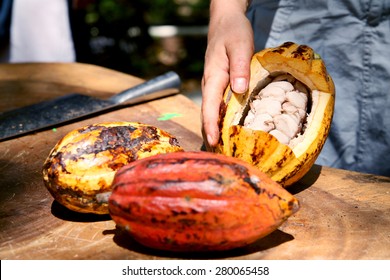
(40, 32)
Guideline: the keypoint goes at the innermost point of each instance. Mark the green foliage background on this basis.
(114, 34)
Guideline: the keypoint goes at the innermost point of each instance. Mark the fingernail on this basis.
(210, 139)
(239, 85)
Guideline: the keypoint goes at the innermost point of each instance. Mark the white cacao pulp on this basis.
(281, 109)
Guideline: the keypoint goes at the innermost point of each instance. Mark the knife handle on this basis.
(143, 92)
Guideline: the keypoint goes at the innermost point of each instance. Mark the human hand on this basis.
(229, 51)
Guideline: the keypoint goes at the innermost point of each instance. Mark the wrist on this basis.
(226, 14)
(232, 6)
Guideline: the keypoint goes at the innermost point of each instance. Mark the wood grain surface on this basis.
(343, 215)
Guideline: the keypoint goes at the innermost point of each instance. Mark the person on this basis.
(41, 30)
(353, 39)
(5, 21)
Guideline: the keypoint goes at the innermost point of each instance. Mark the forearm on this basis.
(222, 6)
(226, 15)
(222, 9)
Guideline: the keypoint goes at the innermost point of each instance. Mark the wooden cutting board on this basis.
(343, 215)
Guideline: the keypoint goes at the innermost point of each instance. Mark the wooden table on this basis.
(344, 215)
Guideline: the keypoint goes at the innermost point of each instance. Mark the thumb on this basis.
(240, 59)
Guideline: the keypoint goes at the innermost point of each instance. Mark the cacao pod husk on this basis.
(284, 164)
(197, 201)
(83, 163)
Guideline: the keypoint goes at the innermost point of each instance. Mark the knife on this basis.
(70, 107)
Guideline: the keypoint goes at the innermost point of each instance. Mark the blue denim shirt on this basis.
(353, 38)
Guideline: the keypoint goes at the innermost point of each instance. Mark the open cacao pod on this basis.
(83, 163)
(281, 123)
(197, 201)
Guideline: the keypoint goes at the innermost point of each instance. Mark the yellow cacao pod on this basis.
(84, 162)
(282, 139)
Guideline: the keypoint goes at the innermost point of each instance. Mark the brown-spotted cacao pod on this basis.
(197, 201)
(281, 123)
(83, 163)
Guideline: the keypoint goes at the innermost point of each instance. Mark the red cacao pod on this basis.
(197, 201)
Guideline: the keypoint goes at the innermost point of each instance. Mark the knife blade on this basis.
(74, 106)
